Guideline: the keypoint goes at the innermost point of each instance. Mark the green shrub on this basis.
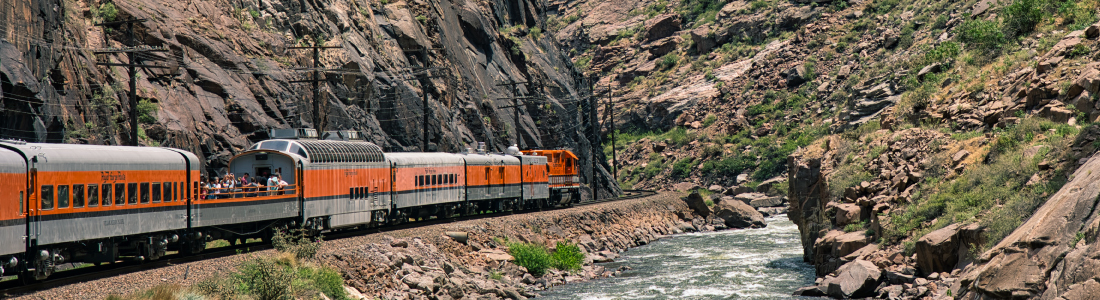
(682, 168)
(567, 257)
(709, 120)
(668, 61)
(536, 33)
(297, 242)
(106, 12)
(582, 63)
(146, 109)
(982, 35)
(265, 279)
(1021, 16)
(534, 257)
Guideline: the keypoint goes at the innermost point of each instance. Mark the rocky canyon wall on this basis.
(237, 71)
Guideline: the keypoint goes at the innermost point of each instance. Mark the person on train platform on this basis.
(273, 183)
(282, 185)
(247, 185)
(229, 186)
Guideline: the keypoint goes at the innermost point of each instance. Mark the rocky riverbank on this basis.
(427, 263)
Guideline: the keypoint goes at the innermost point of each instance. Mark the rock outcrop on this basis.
(235, 74)
(1051, 256)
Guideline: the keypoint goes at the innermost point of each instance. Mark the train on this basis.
(69, 203)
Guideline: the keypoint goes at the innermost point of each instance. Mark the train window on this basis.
(93, 195)
(454, 178)
(105, 192)
(419, 180)
(435, 179)
(156, 191)
(63, 196)
(78, 195)
(144, 192)
(21, 202)
(120, 193)
(487, 170)
(168, 192)
(47, 197)
(132, 193)
(351, 193)
(179, 192)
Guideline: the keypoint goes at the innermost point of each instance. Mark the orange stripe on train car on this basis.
(331, 182)
(11, 185)
(70, 178)
(406, 177)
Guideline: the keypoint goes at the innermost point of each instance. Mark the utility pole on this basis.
(594, 127)
(318, 113)
(132, 68)
(423, 73)
(515, 104)
(611, 113)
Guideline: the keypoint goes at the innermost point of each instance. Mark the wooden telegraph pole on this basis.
(318, 112)
(132, 68)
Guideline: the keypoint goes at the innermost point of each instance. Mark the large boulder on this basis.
(662, 26)
(847, 213)
(703, 39)
(766, 202)
(749, 197)
(696, 202)
(858, 278)
(737, 214)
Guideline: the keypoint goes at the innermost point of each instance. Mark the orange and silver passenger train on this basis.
(62, 203)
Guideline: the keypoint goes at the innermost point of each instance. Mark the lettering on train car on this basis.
(114, 222)
(351, 173)
(112, 175)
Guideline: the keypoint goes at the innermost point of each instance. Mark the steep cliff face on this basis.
(237, 67)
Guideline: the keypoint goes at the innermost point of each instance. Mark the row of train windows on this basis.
(122, 193)
(359, 192)
(437, 179)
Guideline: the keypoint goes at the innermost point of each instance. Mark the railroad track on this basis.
(12, 288)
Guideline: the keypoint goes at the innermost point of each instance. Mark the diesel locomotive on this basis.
(62, 203)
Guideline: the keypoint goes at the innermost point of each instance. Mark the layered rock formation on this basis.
(236, 70)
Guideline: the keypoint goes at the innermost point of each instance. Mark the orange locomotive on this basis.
(564, 182)
(82, 203)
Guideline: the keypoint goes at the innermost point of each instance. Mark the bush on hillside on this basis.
(1021, 16)
(981, 35)
(537, 259)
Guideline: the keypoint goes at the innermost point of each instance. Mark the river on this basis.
(731, 264)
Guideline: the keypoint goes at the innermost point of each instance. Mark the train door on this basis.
(34, 205)
(500, 177)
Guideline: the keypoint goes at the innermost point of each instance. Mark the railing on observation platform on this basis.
(248, 192)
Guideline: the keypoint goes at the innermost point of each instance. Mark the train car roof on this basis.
(78, 157)
(11, 162)
(325, 151)
(549, 152)
(489, 158)
(424, 158)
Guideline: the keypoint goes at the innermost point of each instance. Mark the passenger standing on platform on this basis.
(273, 183)
(246, 184)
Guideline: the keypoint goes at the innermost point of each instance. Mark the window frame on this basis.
(120, 194)
(46, 193)
(155, 192)
(93, 194)
(167, 191)
(78, 196)
(107, 194)
(64, 196)
(132, 193)
(144, 195)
